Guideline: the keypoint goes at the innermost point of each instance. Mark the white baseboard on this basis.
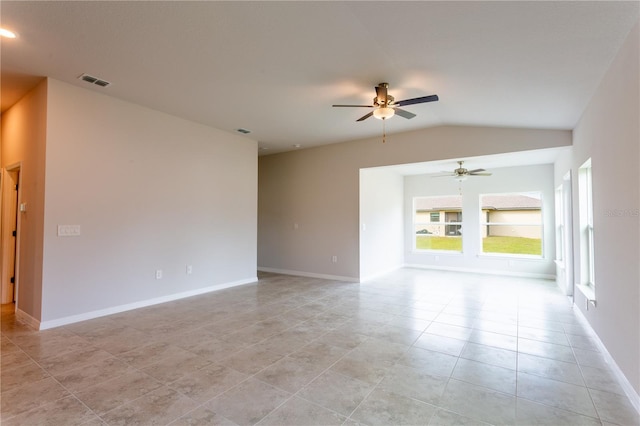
(24, 317)
(484, 271)
(44, 325)
(634, 398)
(308, 274)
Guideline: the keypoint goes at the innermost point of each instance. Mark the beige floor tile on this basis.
(172, 368)
(382, 408)
(20, 374)
(532, 413)
(556, 394)
(251, 360)
(337, 392)
(263, 400)
(297, 411)
(67, 411)
(290, 374)
(203, 417)
(347, 349)
(159, 407)
(448, 418)
(413, 383)
(208, 382)
(479, 403)
(29, 396)
(89, 375)
(112, 393)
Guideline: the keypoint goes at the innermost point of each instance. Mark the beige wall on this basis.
(149, 191)
(609, 134)
(23, 143)
(318, 189)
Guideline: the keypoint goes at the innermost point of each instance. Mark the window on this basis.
(560, 224)
(437, 223)
(511, 223)
(587, 272)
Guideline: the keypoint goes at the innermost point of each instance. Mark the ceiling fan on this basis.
(385, 106)
(461, 173)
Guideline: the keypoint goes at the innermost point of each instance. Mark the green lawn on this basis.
(510, 245)
(429, 242)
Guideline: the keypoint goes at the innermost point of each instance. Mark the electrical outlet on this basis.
(189, 269)
(159, 274)
(334, 259)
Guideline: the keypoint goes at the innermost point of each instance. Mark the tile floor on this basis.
(413, 347)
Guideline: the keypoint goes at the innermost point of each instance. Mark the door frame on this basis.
(10, 218)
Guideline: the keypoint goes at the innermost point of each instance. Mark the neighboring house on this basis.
(439, 216)
(504, 215)
(510, 216)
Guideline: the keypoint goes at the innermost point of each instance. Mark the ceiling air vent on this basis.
(94, 80)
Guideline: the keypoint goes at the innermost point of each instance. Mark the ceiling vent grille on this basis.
(94, 80)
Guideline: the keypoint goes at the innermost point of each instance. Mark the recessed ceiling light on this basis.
(7, 34)
(297, 145)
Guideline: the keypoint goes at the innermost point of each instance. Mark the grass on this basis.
(429, 242)
(508, 245)
(512, 245)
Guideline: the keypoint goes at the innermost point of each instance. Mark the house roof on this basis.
(510, 202)
(489, 202)
(275, 68)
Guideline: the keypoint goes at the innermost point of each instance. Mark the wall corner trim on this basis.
(24, 317)
(44, 325)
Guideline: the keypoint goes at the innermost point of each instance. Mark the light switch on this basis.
(68, 230)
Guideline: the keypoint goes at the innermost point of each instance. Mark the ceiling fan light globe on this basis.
(461, 178)
(383, 113)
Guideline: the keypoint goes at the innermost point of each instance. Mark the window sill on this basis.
(512, 256)
(588, 291)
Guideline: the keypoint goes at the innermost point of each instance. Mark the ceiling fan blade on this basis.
(364, 117)
(423, 99)
(447, 174)
(381, 94)
(477, 170)
(349, 106)
(403, 113)
(480, 174)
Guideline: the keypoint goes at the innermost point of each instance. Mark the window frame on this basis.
(484, 223)
(587, 241)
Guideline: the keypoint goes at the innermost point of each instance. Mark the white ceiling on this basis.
(276, 68)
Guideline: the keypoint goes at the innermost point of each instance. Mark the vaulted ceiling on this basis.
(275, 68)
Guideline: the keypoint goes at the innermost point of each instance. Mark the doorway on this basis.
(10, 186)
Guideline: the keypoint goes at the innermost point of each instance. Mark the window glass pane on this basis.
(512, 223)
(438, 223)
(587, 259)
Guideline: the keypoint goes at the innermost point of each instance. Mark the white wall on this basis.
(502, 180)
(319, 188)
(150, 191)
(381, 222)
(609, 134)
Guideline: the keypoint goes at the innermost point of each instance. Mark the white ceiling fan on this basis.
(460, 174)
